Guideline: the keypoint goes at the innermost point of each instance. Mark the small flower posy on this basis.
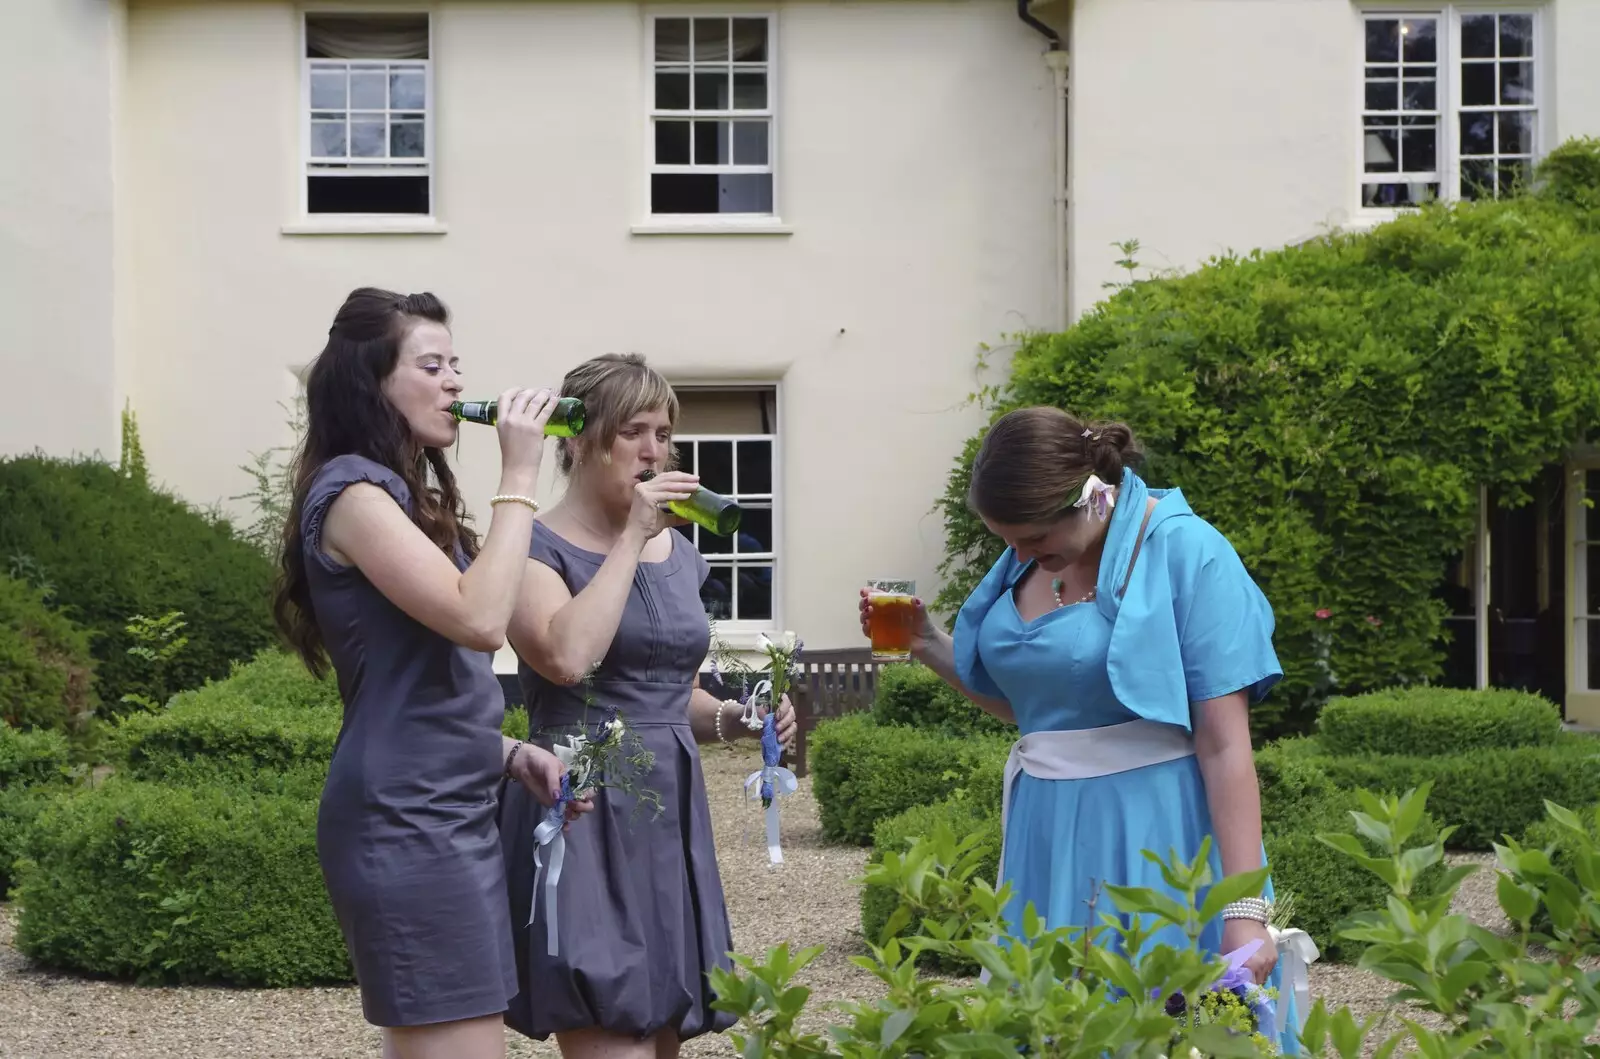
(591, 764)
(766, 686)
(1098, 497)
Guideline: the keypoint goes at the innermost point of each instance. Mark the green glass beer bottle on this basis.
(706, 509)
(565, 422)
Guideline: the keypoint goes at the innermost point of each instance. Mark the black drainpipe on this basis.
(1050, 34)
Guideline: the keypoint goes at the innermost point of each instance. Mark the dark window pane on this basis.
(672, 40)
(755, 530)
(1516, 132)
(1477, 84)
(1418, 150)
(711, 142)
(750, 143)
(716, 466)
(1383, 95)
(406, 139)
(1516, 83)
(755, 593)
(717, 593)
(711, 193)
(1383, 40)
(1477, 178)
(1382, 151)
(711, 40)
(1477, 36)
(1386, 73)
(1477, 133)
(672, 143)
(672, 90)
(750, 90)
(750, 40)
(1516, 35)
(1514, 175)
(711, 89)
(685, 456)
(367, 194)
(712, 545)
(755, 467)
(1396, 195)
(1421, 40)
(1422, 95)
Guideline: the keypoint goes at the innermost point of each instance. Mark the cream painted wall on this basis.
(914, 168)
(1203, 126)
(58, 78)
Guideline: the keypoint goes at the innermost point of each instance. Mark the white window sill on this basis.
(712, 225)
(374, 225)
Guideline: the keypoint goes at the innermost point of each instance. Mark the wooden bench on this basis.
(832, 684)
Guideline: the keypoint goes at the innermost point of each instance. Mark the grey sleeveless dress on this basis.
(406, 830)
(640, 905)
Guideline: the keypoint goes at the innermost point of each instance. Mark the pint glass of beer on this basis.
(893, 616)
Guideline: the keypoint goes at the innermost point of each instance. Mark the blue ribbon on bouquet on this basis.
(550, 833)
(775, 781)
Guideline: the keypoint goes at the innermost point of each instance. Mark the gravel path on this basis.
(809, 899)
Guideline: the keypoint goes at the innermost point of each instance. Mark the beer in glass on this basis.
(893, 617)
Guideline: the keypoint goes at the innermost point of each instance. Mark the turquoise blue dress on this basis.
(1189, 625)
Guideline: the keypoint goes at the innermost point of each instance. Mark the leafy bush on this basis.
(33, 769)
(1493, 792)
(966, 818)
(181, 884)
(1426, 721)
(1332, 408)
(243, 731)
(112, 548)
(46, 669)
(912, 694)
(1473, 984)
(864, 772)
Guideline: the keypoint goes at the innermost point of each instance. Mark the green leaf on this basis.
(1217, 1041)
(1518, 902)
(894, 1026)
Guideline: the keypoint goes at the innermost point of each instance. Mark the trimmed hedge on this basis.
(1486, 793)
(865, 772)
(110, 548)
(1425, 721)
(179, 884)
(34, 768)
(912, 694)
(46, 667)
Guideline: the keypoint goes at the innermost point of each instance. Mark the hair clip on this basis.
(1087, 432)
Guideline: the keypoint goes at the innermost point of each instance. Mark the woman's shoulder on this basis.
(352, 468)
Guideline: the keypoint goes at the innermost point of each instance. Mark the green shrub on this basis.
(222, 736)
(865, 772)
(1332, 407)
(31, 758)
(912, 694)
(111, 548)
(46, 668)
(179, 884)
(276, 679)
(1425, 721)
(1562, 846)
(1492, 792)
(964, 816)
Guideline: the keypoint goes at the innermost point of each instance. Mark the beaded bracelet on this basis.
(513, 756)
(720, 737)
(1251, 908)
(513, 498)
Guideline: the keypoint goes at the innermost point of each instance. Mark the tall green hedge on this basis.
(915, 695)
(1430, 721)
(110, 548)
(1333, 407)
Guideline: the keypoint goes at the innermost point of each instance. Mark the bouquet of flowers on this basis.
(1236, 1003)
(765, 686)
(604, 754)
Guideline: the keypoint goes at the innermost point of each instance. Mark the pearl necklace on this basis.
(1055, 589)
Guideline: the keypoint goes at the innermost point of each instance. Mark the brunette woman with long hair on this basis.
(383, 578)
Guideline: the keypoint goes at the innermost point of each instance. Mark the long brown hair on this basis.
(347, 412)
(1034, 461)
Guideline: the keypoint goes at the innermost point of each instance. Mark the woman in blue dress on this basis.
(1123, 636)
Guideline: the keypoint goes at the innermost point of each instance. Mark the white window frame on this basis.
(315, 223)
(1448, 148)
(742, 632)
(710, 223)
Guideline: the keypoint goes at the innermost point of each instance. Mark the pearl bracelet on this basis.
(1255, 909)
(513, 498)
(720, 737)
